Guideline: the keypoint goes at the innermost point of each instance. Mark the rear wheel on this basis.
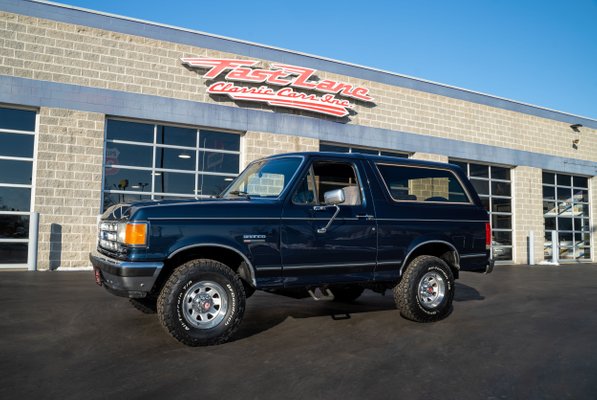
(202, 303)
(426, 290)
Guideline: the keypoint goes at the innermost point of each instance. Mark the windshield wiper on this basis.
(240, 193)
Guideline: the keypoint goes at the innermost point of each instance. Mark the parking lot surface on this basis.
(520, 333)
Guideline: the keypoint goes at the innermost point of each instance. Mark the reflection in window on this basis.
(146, 161)
(422, 184)
(566, 212)
(493, 185)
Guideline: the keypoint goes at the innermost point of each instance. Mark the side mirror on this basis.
(334, 197)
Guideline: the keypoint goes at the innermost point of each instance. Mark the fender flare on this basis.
(407, 258)
(223, 246)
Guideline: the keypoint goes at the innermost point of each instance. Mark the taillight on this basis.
(487, 236)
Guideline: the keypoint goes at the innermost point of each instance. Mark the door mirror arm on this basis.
(321, 208)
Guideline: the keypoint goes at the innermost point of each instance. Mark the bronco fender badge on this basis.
(253, 238)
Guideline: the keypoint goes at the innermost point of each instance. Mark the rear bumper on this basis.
(126, 278)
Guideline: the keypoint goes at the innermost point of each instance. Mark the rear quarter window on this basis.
(406, 183)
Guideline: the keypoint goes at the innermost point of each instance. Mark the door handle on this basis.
(364, 216)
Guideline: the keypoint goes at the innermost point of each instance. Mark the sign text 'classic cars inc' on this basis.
(288, 77)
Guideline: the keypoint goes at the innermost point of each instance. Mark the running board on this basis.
(321, 294)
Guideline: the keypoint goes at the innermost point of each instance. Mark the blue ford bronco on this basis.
(328, 225)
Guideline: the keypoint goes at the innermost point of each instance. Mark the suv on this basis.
(327, 225)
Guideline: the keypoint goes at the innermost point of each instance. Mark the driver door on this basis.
(344, 252)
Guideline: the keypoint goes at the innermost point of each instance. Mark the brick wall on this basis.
(260, 144)
(68, 185)
(527, 204)
(42, 49)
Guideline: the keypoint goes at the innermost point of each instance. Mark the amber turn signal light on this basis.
(136, 234)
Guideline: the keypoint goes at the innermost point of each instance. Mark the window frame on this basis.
(155, 171)
(31, 187)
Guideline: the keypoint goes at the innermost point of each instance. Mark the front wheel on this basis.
(202, 303)
(426, 290)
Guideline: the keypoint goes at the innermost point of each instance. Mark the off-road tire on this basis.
(146, 305)
(194, 285)
(426, 290)
(347, 293)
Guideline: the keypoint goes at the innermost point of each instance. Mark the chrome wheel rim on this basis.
(205, 305)
(432, 290)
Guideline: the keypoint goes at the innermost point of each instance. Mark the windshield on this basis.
(265, 178)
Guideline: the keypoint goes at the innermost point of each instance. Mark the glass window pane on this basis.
(500, 173)
(479, 170)
(549, 208)
(501, 221)
(502, 238)
(564, 193)
(564, 224)
(111, 199)
(392, 154)
(365, 151)
(218, 162)
(406, 183)
(18, 120)
(15, 199)
(19, 172)
(549, 192)
(501, 205)
(131, 131)
(581, 195)
(549, 178)
(128, 154)
(500, 188)
(172, 182)
(580, 181)
(124, 179)
(334, 148)
(13, 253)
(502, 253)
(584, 225)
(564, 180)
(580, 210)
(550, 223)
(482, 187)
(176, 136)
(461, 164)
(219, 140)
(211, 185)
(15, 145)
(14, 226)
(175, 159)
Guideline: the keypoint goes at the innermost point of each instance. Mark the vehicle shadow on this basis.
(265, 311)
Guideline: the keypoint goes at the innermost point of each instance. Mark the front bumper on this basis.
(126, 278)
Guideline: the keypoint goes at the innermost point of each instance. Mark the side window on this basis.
(324, 176)
(422, 184)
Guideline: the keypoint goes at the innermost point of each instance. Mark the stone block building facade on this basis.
(97, 109)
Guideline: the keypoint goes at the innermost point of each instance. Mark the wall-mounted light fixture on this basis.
(575, 127)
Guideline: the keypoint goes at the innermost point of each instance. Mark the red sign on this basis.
(288, 77)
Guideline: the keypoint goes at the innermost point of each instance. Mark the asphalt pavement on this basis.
(522, 332)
